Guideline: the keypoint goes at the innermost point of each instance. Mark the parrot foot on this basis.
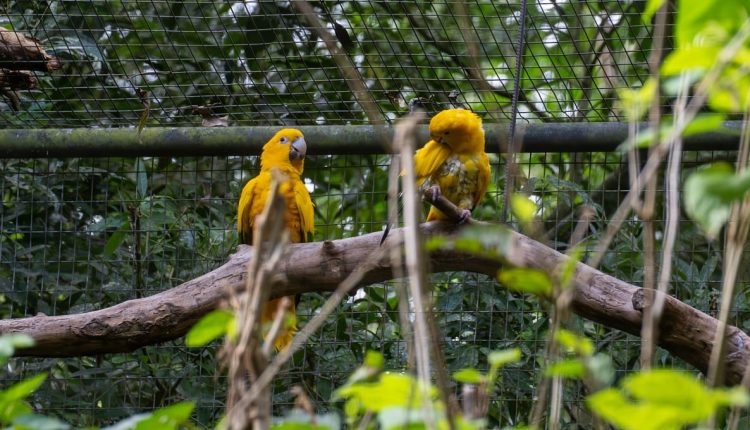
(465, 216)
(435, 192)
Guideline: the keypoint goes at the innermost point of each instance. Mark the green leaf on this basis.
(297, 419)
(694, 17)
(167, 418)
(579, 345)
(498, 359)
(370, 368)
(179, 412)
(399, 418)
(674, 388)
(523, 208)
(486, 240)
(614, 407)
(11, 409)
(526, 281)
(708, 194)
(213, 325)
(23, 389)
(391, 390)
(601, 368)
(572, 369)
(661, 399)
(705, 123)
(296, 425)
(115, 240)
(568, 268)
(690, 58)
(469, 376)
(12, 404)
(10, 342)
(39, 422)
(374, 359)
(635, 102)
(730, 92)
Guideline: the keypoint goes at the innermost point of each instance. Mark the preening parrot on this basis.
(453, 163)
(286, 152)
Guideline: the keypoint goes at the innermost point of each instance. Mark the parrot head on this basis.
(459, 129)
(287, 146)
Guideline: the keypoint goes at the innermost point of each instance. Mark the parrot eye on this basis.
(284, 140)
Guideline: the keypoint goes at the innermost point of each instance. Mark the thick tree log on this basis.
(320, 266)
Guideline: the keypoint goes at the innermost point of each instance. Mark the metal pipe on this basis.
(331, 139)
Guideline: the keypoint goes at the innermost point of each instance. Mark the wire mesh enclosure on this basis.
(78, 234)
(263, 62)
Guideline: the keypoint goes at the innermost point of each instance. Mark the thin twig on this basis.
(396, 260)
(405, 142)
(649, 203)
(737, 229)
(247, 360)
(734, 417)
(284, 305)
(652, 314)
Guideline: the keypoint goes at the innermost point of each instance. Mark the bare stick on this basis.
(647, 211)
(734, 417)
(404, 138)
(653, 313)
(284, 305)
(247, 359)
(737, 229)
(396, 260)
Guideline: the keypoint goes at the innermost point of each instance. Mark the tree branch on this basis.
(319, 266)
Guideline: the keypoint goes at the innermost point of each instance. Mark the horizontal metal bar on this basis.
(331, 139)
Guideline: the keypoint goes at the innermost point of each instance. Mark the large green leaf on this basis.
(709, 193)
(526, 280)
(214, 324)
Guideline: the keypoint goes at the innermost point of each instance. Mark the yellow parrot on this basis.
(453, 163)
(286, 152)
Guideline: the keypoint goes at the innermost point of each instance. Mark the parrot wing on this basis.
(484, 178)
(305, 207)
(429, 158)
(245, 217)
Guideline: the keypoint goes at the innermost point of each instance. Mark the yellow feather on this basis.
(454, 159)
(299, 215)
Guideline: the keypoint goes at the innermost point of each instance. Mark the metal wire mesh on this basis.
(259, 62)
(83, 234)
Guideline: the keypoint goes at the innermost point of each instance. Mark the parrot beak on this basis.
(298, 149)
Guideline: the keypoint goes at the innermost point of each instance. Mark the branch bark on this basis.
(319, 266)
(20, 52)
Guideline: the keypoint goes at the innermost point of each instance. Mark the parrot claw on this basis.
(465, 216)
(435, 192)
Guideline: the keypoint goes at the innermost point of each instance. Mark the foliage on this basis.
(709, 194)
(83, 234)
(213, 325)
(662, 399)
(17, 413)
